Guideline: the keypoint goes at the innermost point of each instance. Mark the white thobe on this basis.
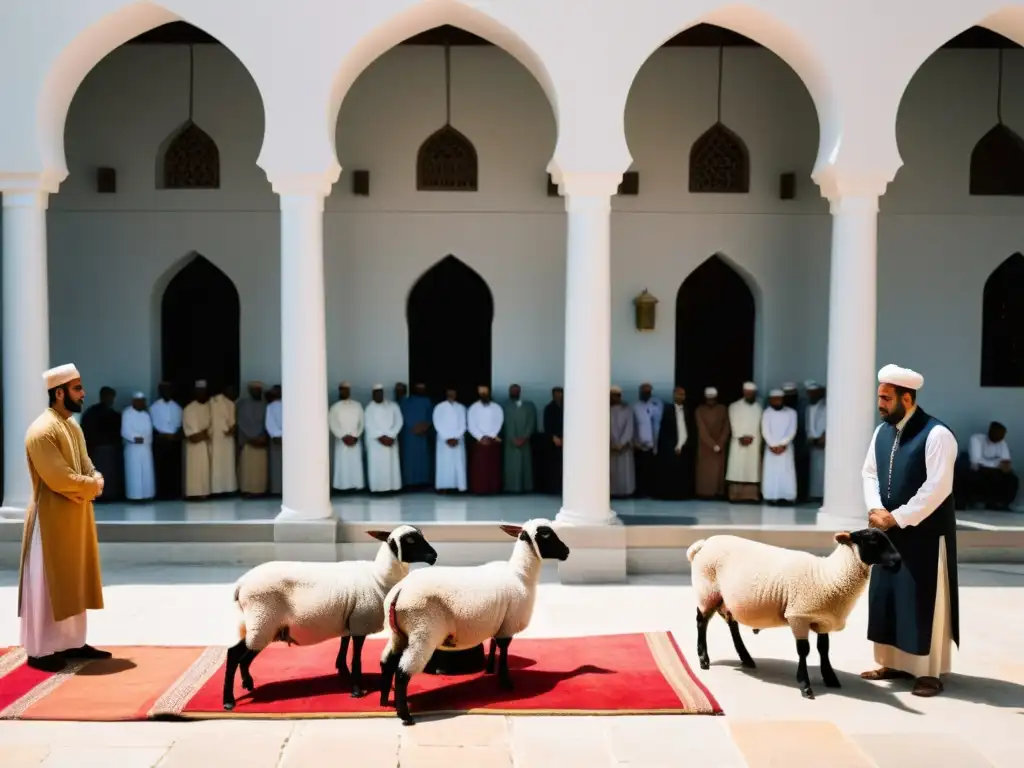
(40, 634)
(779, 429)
(139, 474)
(384, 470)
(985, 453)
(166, 416)
(940, 457)
(273, 421)
(450, 460)
(485, 420)
(744, 460)
(816, 414)
(346, 419)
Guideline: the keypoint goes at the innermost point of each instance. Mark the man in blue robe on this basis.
(414, 440)
(913, 612)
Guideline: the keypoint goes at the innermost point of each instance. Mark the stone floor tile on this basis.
(418, 756)
(543, 742)
(365, 743)
(23, 755)
(899, 750)
(459, 731)
(796, 744)
(71, 734)
(667, 740)
(224, 748)
(103, 757)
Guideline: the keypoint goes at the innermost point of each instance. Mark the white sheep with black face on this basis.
(763, 586)
(456, 608)
(306, 603)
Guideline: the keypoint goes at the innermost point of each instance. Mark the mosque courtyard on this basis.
(766, 723)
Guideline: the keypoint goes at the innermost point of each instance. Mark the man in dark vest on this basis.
(913, 614)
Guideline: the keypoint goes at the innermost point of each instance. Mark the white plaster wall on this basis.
(108, 252)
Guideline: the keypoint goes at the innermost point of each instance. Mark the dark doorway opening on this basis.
(715, 329)
(200, 337)
(450, 311)
(1002, 325)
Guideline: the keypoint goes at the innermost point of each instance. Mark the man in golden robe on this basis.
(223, 478)
(197, 424)
(58, 583)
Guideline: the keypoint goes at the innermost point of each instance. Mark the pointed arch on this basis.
(447, 162)
(715, 348)
(719, 162)
(190, 160)
(997, 163)
(450, 311)
(200, 328)
(1002, 325)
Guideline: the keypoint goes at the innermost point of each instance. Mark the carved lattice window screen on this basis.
(192, 160)
(447, 162)
(1002, 325)
(719, 162)
(997, 163)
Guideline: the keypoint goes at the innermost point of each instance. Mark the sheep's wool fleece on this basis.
(316, 601)
(762, 586)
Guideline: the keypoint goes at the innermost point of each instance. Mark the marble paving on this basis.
(975, 723)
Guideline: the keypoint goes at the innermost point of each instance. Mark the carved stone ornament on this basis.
(719, 162)
(192, 160)
(645, 305)
(446, 162)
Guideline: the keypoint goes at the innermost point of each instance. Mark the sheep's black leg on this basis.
(504, 679)
(828, 675)
(243, 667)
(235, 655)
(339, 663)
(803, 648)
(357, 667)
(741, 649)
(401, 696)
(702, 637)
(387, 673)
(489, 669)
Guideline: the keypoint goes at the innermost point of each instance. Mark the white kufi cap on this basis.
(62, 374)
(377, 386)
(810, 385)
(138, 396)
(750, 386)
(616, 390)
(789, 386)
(776, 393)
(710, 392)
(900, 377)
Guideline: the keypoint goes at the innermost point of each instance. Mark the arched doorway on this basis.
(450, 310)
(200, 329)
(715, 322)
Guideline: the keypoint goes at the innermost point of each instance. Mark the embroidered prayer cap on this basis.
(750, 387)
(138, 396)
(710, 392)
(62, 374)
(900, 377)
(789, 386)
(200, 383)
(616, 390)
(776, 393)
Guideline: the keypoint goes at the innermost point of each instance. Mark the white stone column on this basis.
(852, 370)
(585, 478)
(26, 325)
(305, 460)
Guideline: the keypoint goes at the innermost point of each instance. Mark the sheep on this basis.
(307, 603)
(762, 586)
(457, 608)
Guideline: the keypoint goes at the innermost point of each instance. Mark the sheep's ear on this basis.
(843, 538)
(379, 535)
(512, 530)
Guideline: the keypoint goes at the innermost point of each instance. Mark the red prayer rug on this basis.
(600, 675)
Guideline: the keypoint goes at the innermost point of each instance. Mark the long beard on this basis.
(896, 415)
(74, 406)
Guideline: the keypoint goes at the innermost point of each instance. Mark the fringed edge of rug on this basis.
(694, 695)
(176, 698)
(16, 709)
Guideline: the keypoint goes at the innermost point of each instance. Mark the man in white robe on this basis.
(450, 455)
(223, 475)
(346, 422)
(744, 468)
(816, 421)
(778, 425)
(383, 422)
(137, 434)
(274, 423)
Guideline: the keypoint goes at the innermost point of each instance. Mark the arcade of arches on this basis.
(445, 252)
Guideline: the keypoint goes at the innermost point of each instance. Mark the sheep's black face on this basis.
(549, 546)
(415, 548)
(875, 548)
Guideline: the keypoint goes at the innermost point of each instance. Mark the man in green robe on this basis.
(517, 431)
